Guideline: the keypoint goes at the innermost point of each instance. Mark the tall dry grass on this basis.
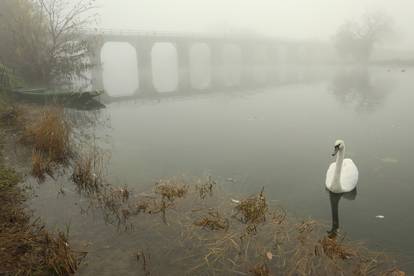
(88, 171)
(48, 133)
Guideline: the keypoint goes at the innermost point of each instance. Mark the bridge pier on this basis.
(144, 61)
(216, 81)
(183, 58)
(247, 76)
(272, 63)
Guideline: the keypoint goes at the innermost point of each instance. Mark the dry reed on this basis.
(88, 171)
(252, 209)
(26, 247)
(205, 187)
(213, 221)
(48, 133)
(171, 189)
(280, 244)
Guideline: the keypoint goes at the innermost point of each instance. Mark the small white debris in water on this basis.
(252, 118)
(380, 216)
(230, 180)
(235, 201)
(389, 160)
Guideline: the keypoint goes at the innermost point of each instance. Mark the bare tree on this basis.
(42, 39)
(67, 49)
(357, 40)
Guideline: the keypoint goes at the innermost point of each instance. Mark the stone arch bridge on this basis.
(276, 52)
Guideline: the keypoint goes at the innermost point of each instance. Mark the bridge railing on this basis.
(130, 32)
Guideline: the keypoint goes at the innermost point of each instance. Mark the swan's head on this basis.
(339, 145)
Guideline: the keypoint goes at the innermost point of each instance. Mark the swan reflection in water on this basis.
(334, 200)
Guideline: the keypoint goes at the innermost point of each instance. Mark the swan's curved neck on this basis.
(338, 168)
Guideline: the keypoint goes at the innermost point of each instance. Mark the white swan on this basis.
(342, 175)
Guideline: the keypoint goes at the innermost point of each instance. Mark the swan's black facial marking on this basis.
(336, 150)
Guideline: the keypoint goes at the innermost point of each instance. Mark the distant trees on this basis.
(357, 39)
(23, 38)
(41, 39)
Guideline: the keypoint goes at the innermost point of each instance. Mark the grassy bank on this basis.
(26, 247)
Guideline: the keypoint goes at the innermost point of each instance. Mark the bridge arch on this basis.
(164, 61)
(120, 69)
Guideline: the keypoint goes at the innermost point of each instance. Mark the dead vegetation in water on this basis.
(144, 259)
(171, 189)
(50, 134)
(119, 205)
(47, 131)
(205, 188)
(260, 269)
(393, 272)
(278, 244)
(88, 171)
(337, 249)
(213, 221)
(253, 209)
(41, 165)
(27, 248)
(30, 249)
(113, 202)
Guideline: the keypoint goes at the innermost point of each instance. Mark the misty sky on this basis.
(288, 18)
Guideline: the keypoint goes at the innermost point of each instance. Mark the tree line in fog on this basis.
(41, 40)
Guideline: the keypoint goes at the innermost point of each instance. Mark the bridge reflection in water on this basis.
(257, 61)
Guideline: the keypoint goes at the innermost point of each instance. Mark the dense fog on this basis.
(317, 19)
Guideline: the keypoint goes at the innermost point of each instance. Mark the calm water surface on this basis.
(280, 138)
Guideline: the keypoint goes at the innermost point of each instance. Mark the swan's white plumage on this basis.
(342, 175)
(348, 179)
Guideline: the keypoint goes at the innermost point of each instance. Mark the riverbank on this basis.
(27, 247)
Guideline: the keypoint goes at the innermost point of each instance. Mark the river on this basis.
(279, 137)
